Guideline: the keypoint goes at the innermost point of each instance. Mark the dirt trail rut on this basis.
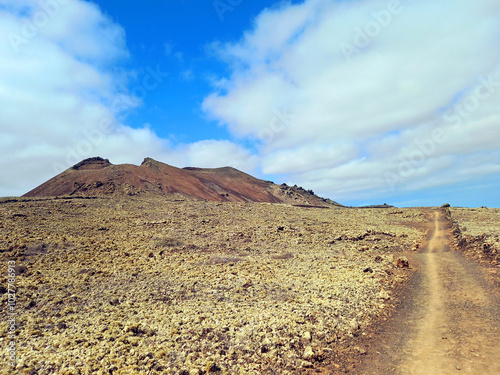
(451, 325)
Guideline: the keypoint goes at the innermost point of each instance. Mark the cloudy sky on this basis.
(362, 101)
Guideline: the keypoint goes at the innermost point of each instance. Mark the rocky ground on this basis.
(477, 232)
(448, 318)
(121, 286)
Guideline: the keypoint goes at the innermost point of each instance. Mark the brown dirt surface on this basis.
(155, 286)
(449, 321)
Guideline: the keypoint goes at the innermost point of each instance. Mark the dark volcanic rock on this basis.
(92, 163)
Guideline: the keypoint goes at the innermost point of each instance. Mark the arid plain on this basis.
(182, 286)
(158, 286)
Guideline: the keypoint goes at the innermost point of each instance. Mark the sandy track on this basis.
(451, 323)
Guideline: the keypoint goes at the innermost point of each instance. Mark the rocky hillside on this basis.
(97, 177)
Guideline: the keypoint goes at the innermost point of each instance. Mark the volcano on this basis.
(97, 177)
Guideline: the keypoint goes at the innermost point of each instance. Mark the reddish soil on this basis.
(98, 177)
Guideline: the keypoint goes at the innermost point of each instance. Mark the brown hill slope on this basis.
(98, 177)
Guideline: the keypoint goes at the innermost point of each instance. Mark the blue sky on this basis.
(362, 101)
(175, 35)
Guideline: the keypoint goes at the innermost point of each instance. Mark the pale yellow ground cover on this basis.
(188, 287)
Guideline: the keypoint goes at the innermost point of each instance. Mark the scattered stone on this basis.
(212, 367)
(354, 324)
(360, 350)
(308, 353)
(402, 262)
(247, 285)
(307, 364)
(224, 292)
(384, 294)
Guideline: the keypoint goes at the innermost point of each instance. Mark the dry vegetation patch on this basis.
(477, 232)
(112, 286)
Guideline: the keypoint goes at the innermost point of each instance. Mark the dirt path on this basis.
(451, 325)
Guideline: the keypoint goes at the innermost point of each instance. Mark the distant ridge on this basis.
(385, 205)
(97, 177)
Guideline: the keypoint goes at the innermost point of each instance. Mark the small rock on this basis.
(402, 262)
(458, 367)
(308, 353)
(368, 270)
(307, 364)
(384, 294)
(247, 285)
(212, 367)
(354, 324)
(361, 351)
(307, 336)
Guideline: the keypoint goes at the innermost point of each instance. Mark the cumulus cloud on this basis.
(210, 153)
(56, 90)
(358, 100)
(63, 95)
(386, 96)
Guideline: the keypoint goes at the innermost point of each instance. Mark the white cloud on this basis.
(56, 90)
(358, 125)
(348, 107)
(211, 154)
(300, 159)
(170, 52)
(62, 98)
